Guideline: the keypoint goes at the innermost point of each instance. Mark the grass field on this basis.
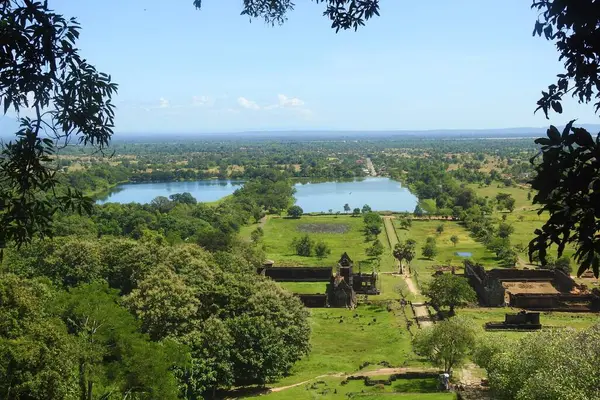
(330, 388)
(368, 333)
(341, 233)
(422, 229)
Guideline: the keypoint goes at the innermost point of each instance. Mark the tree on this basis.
(373, 223)
(447, 344)
(429, 250)
(356, 212)
(322, 250)
(162, 204)
(505, 201)
(183, 198)
(439, 229)
(418, 212)
(567, 176)
(405, 223)
(404, 251)
(343, 14)
(454, 239)
(376, 249)
(366, 209)
(526, 368)
(41, 69)
(505, 230)
(295, 211)
(257, 234)
(303, 246)
(346, 208)
(449, 290)
(165, 305)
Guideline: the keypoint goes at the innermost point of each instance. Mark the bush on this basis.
(322, 250)
(303, 246)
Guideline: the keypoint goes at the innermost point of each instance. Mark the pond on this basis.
(381, 194)
(204, 191)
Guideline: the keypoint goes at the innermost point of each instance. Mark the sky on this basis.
(460, 64)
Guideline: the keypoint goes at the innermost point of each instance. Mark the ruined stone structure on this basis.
(520, 321)
(342, 287)
(532, 289)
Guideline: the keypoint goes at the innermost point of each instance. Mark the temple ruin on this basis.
(342, 287)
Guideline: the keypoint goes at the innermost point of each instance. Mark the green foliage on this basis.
(505, 201)
(548, 364)
(347, 208)
(567, 180)
(454, 239)
(376, 249)
(505, 230)
(373, 223)
(405, 251)
(449, 290)
(257, 234)
(405, 223)
(418, 212)
(303, 246)
(440, 229)
(70, 98)
(183, 198)
(447, 344)
(295, 211)
(322, 250)
(366, 209)
(429, 250)
(343, 14)
(356, 212)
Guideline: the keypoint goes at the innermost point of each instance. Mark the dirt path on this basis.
(421, 312)
(381, 371)
(263, 221)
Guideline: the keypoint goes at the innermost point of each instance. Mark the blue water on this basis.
(203, 191)
(464, 254)
(382, 194)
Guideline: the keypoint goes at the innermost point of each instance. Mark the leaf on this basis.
(7, 101)
(556, 106)
(553, 134)
(583, 137)
(567, 129)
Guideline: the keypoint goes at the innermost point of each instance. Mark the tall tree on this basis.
(41, 71)
(449, 290)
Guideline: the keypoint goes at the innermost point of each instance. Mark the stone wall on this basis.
(297, 274)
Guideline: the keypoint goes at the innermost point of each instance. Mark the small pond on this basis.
(465, 254)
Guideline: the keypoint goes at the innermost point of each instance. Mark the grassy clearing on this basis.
(374, 335)
(304, 287)
(279, 233)
(548, 319)
(330, 388)
(422, 229)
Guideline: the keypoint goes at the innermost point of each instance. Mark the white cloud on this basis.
(201, 101)
(164, 103)
(249, 104)
(285, 101)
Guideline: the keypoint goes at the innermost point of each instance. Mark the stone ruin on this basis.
(530, 289)
(342, 287)
(521, 321)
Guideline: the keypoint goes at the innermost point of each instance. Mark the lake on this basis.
(379, 193)
(204, 191)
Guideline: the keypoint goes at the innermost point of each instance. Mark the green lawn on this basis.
(330, 388)
(422, 229)
(304, 287)
(279, 233)
(368, 333)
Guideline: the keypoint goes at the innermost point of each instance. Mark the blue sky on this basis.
(461, 64)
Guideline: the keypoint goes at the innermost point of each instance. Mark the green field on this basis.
(279, 233)
(331, 388)
(422, 229)
(368, 333)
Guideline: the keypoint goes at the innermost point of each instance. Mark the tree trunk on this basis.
(82, 385)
